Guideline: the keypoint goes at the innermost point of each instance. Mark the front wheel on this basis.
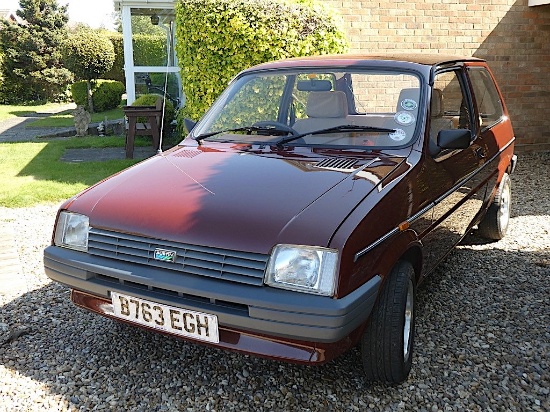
(495, 222)
(387, 343)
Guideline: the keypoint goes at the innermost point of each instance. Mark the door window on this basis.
(450, 108)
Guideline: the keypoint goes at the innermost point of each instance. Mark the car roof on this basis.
(425, 59)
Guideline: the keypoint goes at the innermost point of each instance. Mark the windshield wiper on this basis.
(336, 129)
(249, 129)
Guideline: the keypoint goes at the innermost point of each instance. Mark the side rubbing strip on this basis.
(391, 233)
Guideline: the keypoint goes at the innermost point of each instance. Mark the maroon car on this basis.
(297, 218)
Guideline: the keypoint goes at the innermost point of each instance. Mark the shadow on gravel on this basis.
(482, 342)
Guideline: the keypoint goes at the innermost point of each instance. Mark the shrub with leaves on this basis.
(107, 94)
(149, 50)
(219, 38)
(79, 92)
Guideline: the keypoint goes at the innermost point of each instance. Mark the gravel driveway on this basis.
(482, 342)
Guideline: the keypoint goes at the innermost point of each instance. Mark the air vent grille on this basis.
(187, 153)
(342, 164)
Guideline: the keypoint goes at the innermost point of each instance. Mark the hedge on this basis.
(79, 93)
(149, 50)
(219, 38)
(106, 94)
(117, 71)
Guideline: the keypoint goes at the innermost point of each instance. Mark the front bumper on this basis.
(255, 312)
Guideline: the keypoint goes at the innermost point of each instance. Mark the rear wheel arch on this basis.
(494, 223)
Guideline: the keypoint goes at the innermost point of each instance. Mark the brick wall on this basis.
(512, 37)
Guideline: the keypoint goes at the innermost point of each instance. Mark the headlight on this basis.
(307, 269)
(72, 231)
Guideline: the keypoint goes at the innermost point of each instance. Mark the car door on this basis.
(455, 176)
(495, 131)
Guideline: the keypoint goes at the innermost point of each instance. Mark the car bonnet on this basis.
(234, 199)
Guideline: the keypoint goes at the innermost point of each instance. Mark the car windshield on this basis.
(316, 107)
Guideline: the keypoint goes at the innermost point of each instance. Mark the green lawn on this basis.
(32, 173)
(8, 111)
(65, 118)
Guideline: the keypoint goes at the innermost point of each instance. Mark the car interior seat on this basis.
(437, 120)
(324, 110)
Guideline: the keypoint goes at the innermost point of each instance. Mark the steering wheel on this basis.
(277, 126)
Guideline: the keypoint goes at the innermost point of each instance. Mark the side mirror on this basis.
(189, 124)
(454, 138)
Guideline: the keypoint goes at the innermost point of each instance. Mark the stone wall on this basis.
(512, 37)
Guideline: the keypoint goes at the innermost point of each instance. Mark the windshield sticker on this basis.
(398, 135)
(404, 118)
(409, 104)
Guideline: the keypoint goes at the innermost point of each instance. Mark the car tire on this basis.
(495, 222)
(387, 343)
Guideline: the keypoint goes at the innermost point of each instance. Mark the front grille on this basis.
(222, 264)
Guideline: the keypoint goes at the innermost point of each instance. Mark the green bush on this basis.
(79, 93)
(151, 100)
(107, 95)
(88, 54)
(1, 77)
(219, 38)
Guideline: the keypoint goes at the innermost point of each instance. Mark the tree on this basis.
(32, 66)
(89, 54)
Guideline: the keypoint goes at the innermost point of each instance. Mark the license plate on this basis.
(178, 321)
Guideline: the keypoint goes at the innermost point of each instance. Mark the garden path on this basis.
(17, 129)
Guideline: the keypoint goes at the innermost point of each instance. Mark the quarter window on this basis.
(489, 105)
